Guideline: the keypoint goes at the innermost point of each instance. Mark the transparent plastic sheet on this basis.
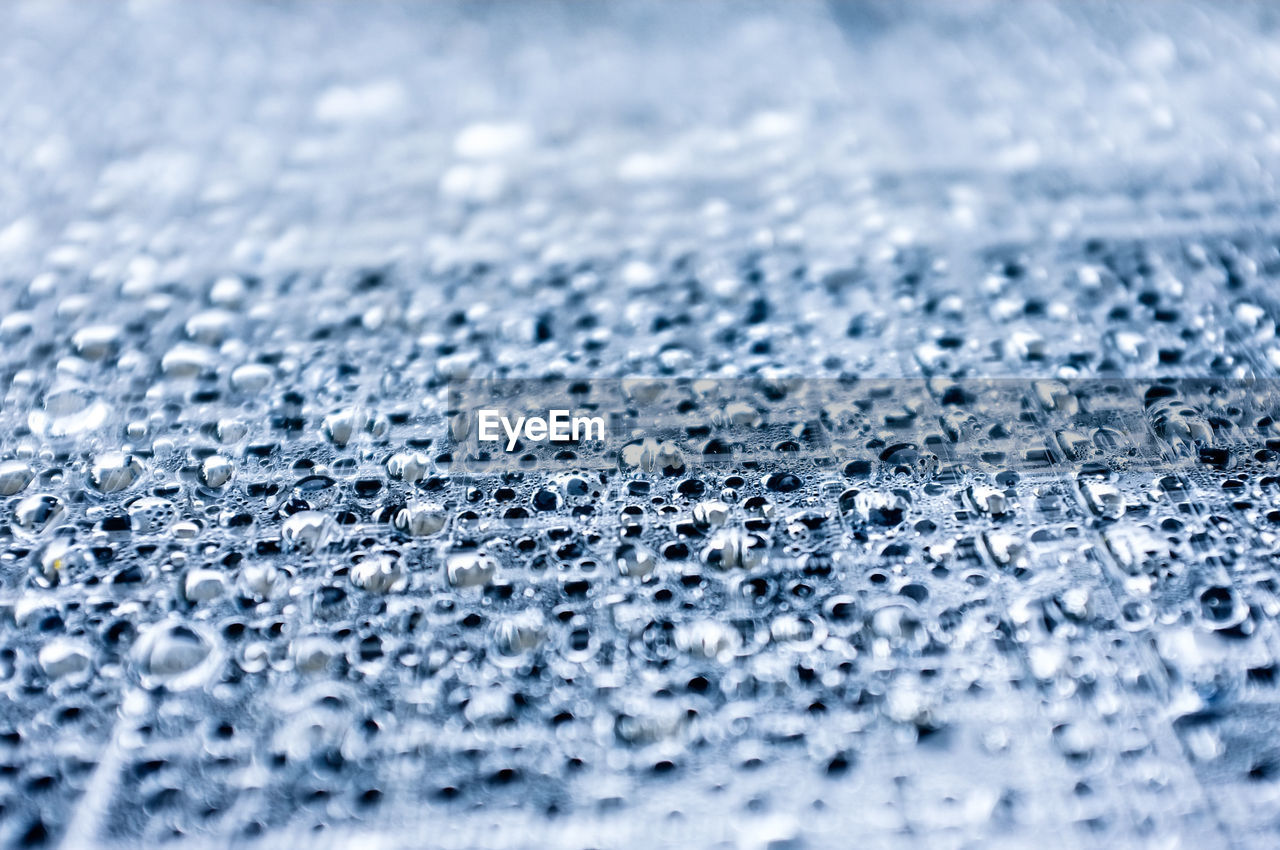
(938, 503)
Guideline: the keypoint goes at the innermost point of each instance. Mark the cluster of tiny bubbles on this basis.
(929, 512)
(778, 579)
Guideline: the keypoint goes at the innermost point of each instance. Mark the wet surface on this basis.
(940, 502)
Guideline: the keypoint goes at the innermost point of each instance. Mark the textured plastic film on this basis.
(939, 500)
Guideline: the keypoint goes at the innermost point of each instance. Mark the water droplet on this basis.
(64, 657)
(68, 409)
(37, 514)
(470, 569)
(733, 548)
(204, 585)
(175, 655)
(420, 519)
(151, 515)
(308, 532)
(216, 472)
(114, 471)
(380, 572)
(14, 477)
(635, 561)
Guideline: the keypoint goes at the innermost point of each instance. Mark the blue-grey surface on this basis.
(960, 529)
